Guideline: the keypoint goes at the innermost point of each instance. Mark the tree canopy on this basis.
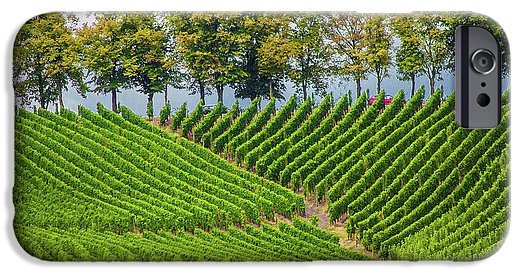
(45, 60)
(254, 54)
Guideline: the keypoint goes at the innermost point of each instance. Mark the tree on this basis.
(147, 61)
(45, 61)
(309, 54)
(263, 79)
(377, 41)
(211, 45)
(273, 57)
(104, 45)
(409, 57)
(345, 31)
(433, 36)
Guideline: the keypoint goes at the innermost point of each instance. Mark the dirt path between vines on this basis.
(312, 207)
(321, 210)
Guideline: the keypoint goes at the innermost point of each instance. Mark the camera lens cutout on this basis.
(483, 61)
(483, 100)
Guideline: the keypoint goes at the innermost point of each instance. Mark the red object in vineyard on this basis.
(388, 99)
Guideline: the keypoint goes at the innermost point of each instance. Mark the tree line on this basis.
(253, 53)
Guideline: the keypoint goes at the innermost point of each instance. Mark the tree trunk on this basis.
(432, 84)
(271, 88)
(201, 90)
(41, 92)
(150, 97)
(60, 101)
(412, 91)
(378, 85)
(114, 100)
(358, 87)
(220, 93)
(165, 94)
(304, 90)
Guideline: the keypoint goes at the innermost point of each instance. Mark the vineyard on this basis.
(90, 184)
(385, 172)
(402, 180)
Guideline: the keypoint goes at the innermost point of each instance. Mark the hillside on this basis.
(398, 178)
(110, 187)
(401, 181)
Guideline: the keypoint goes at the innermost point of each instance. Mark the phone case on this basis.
(252, 137)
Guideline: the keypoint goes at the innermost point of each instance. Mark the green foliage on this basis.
(222, 125)
(292, 124)
(205, 124)
(432, 37)
(218, 63)
(194, 117)
(165, 113)
(178, 117)
(103, 53)
(273, 126)
(254, 244)
(148, 60)
(409, 56)
(309, 54)
(237, 127)
(254, 127)
(46, 60)
(268, 165)
(314, 220)
(378, 42)
(346, 34)
(149, 109)
(265, 62)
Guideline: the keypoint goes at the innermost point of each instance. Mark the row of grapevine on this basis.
(299, 167)
(192, 119)
(207, 122)
(288, 243)
(311, 136)
(178, 117)
(276, 123)
(302, 131)
(221, 125)
(272, 141)
(373, 162)
(253, 128)
(219, 144)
